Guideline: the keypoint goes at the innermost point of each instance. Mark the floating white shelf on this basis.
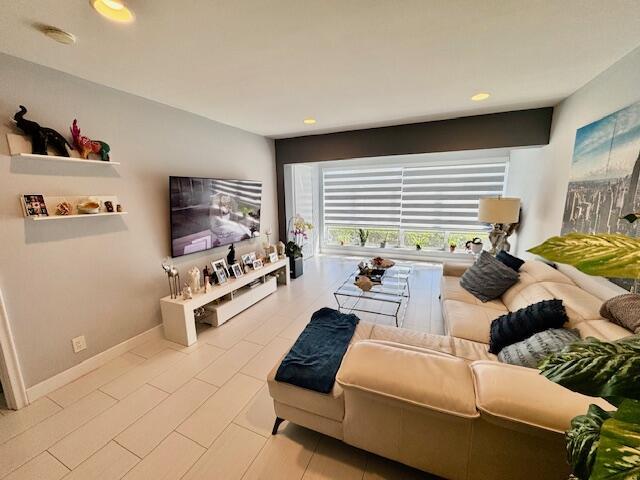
(61, 217)
(33, 156)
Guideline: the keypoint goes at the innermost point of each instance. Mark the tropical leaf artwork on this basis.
(607, 255)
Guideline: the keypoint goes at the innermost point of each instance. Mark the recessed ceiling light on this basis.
(60, 36)
(114, 10)
(309, 121)
(480, 96)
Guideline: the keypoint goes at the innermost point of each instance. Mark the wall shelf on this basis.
(62, 217)
(33, 156)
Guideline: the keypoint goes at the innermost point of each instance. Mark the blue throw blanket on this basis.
(314, 359)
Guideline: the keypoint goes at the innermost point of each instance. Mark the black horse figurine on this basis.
(41, 137)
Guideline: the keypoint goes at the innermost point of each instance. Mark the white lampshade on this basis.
(499, 210)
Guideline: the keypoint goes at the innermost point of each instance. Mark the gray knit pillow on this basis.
(530, 352)
(488, 278)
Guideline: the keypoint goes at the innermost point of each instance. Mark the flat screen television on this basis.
(210, 212)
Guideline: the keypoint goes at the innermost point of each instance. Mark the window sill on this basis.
(436, 256)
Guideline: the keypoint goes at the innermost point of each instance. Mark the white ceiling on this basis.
(264, 65)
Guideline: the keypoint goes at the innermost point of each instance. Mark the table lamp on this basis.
(501, 212)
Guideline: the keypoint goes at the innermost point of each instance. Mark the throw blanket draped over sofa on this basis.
(315, 358)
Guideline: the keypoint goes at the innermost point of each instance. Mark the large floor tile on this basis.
(29, 444)
(259, 415)
(229, 363)
(74, 391)
(287, 453)
(145, 434)
(148, 370)
(170, 461)
(91, 437)
(186, 368)
(260, 365)
(16, 422)
(379, 468)
(43, 467)
(215, 414)
(230, 333)
(229, 456)
(333, 459)
(269, 329)
(155, 346)
(111, 462)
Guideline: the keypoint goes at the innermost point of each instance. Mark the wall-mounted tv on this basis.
(209, 212)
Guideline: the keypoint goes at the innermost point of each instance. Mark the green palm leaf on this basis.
(618, 456)
(609, 255)
(583, 439)
(599, 369)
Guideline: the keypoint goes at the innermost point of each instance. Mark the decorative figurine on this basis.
(119, 208)
(186, 292)
(173, 275)
(231, 256)
(206, 274)
(364, 283)
(86, 146)
(281, 249)
(108, 204)
(193, 280)
(41, 137)
(63, 208)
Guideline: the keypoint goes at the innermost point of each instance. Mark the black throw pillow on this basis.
(521, 324)
(488, 278)
(509, 260)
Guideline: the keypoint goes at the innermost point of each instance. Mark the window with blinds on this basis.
(411, 198)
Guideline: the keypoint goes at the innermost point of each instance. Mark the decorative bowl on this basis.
(90, 207)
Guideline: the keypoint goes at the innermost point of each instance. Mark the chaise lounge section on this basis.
(443, 403)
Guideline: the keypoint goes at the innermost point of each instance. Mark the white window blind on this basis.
(443, 197)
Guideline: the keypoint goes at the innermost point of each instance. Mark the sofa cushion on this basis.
(523, 396)
(602, 330)
(452, 290)
(329, 405)
(471, 322)
(532, 273)
(471, 351)
(509, 260)
(530, 352)
(516, 326)
(440, 343)
(488, 278)
(623, 310)
(430, 380)
(580, 305)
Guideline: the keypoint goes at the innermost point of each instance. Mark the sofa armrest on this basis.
(424, 378)
(454, 269)
(512, 396)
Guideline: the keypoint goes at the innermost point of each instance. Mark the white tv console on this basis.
(234, 296)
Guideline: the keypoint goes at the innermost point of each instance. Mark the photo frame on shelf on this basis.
(221, 275)
(248, 258)
(257, 264)
(220, 265)
(237, 271)
(273, 257)
(33, 205)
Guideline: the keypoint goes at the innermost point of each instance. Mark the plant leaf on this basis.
(596, 368)
(631, 217)
(609, 255)
(618, 456)
(583, 439)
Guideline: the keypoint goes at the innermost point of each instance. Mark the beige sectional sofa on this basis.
(443, 403)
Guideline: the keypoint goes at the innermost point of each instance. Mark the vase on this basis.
(296, 266)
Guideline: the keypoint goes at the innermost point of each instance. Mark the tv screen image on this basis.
(208, 213)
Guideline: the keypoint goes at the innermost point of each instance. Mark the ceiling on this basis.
(265, 65)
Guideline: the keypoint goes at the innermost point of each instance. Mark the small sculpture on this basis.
(86, 146)
(90, 206)
(63, 208)
(281, 249)
(193, 280)
(231, 256)
(41, 137)
(206, 275)
(364, 283)
(173, 275)
(109, 206)
(119, 208)
(186, 292)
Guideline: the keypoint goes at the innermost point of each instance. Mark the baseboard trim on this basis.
(49, 385)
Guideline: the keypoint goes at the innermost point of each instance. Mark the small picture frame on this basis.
(220, 265)
(257, 264)
(221, 275)
(33, 205)
(248, 258)
(273, 257)
(236, 269)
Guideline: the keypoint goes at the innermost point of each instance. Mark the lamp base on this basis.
(498, 238)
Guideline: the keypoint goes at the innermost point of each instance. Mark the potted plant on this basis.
(298, 229)
(364, 236)
(294, 252)
(452, 247)
(600, 444)
(383, 243)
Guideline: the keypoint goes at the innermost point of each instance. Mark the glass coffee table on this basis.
(388, 298)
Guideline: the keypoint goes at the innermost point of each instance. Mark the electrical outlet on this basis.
(79, 344)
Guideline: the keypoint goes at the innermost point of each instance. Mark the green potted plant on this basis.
(364, 236)
(600, 444)
(298, 228)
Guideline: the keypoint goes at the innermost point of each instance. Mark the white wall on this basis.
(101, 277)
(541, 176)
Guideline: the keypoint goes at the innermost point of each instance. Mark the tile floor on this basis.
(162, 411)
